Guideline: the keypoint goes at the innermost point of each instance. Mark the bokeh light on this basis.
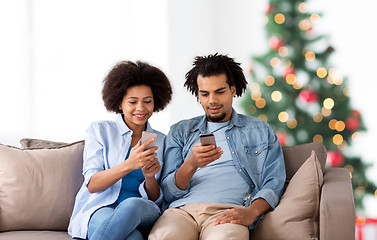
(263, 117)
(317, 117)
(292, 123)
(269, 80)
(337, 139)
(314, 18)
(279, 18)
(291, 78)
(340, 126)
(305, 25)
(275, 62)
(326, 112)
(283, 116)
(321, 72)
(283, 51)
(302, 7)
(260, 103)
(318, 138)
(276, 96)
(309, 56)
(328, 103)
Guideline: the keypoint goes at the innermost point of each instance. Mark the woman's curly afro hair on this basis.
(127, 74)
(212, 65)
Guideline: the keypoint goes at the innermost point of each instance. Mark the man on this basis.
(218, 192)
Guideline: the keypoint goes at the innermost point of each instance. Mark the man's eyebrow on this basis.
(203, 91)
(220, 89)
(217, 90)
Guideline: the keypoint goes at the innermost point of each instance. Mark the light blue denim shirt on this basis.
(255, 150)
(106, 146)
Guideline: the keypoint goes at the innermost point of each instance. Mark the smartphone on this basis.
(145, 136)
(207, 139)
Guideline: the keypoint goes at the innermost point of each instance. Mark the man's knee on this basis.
(174, 224)
(226, 231)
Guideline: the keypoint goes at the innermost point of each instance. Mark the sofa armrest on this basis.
(337, 207)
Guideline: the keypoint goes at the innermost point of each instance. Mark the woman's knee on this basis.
(138, 207)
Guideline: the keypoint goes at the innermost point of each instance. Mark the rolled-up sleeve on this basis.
(93, 154)
(144, 194)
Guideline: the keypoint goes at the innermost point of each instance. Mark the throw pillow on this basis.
(296, 216)
(39, 143)
(38, 186)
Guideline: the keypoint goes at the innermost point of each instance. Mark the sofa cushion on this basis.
(38, 186)
(35, 235)
(295, 156)
(296, 216)
(39, 143)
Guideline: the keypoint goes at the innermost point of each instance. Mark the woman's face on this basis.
(137, 106)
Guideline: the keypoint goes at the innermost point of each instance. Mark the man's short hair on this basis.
(212, 65)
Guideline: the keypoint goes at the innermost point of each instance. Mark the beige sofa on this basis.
(39, 181)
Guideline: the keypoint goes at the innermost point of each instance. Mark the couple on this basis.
(211, 192)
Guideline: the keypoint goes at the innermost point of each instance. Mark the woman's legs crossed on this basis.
(122, 220)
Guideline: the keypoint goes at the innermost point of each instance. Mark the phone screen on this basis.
(207, 139)
(145, 136)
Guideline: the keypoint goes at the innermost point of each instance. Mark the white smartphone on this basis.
(207, 139)
(145, 136)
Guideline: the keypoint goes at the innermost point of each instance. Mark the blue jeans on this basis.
(130, 219)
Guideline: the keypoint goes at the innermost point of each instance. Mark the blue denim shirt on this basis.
(106, 146)
(254, 147)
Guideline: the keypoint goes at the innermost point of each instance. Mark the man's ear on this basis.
(233, 90)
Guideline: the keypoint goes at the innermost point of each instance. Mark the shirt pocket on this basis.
(256, 156)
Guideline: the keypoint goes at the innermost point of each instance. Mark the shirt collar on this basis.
(234, 121)
(122, 126)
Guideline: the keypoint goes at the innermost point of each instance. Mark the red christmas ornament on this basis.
(269, 8)
(308, 96)
(352, 123)
(289, 70)
(335, 159)
(276, 43)
(282, 138)
(248, 69)
(356, 114)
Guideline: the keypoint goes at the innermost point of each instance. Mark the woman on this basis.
(120, 195)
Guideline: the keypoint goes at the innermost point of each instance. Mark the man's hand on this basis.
(201, 155)
(242, 216)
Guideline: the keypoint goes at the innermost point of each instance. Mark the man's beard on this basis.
(216, 118)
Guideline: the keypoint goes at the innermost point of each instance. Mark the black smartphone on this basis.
(207, 139)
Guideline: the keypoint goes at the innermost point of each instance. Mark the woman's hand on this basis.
(139, 157)
(151, 169)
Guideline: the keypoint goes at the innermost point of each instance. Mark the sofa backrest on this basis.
(295, 156)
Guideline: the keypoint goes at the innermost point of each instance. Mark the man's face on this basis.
(216, 97)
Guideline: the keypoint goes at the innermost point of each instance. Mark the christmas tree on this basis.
(301, 95)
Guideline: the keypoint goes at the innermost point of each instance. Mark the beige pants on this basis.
(195, 221)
